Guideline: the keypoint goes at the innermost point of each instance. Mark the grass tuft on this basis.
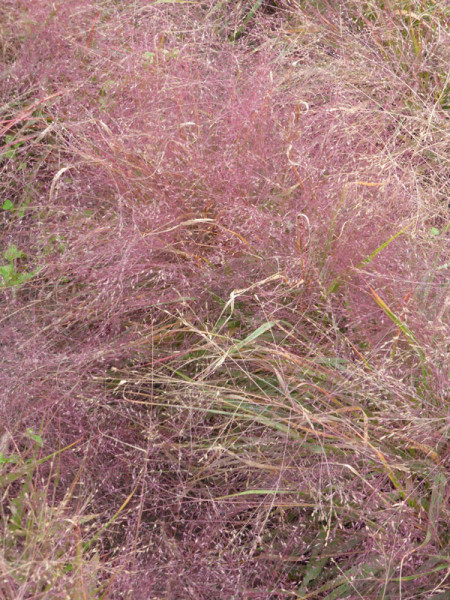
(224, 281)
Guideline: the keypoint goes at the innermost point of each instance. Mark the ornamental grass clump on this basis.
(223, 272)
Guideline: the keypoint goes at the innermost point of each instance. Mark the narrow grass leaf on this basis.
(315, 565)
(337, 282)
(400, 324)
(255, 335)
(28, 468)
(251, 13)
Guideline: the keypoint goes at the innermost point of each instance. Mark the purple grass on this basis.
(224, 336)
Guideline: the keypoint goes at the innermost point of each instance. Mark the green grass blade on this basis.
(251, 13)
(254, 336)
(337, 282)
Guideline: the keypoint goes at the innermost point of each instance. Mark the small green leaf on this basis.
(171, 53)
(7, 273)
(434, 231)
(149, 56)
(4, 460)
(35, 437)
(7, 205)
(12, 253)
